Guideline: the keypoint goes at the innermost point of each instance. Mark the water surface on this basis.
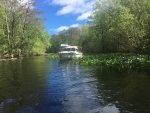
(38, 85)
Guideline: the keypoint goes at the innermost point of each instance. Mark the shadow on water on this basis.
(129, 91)
(38, 85)
(20, 82)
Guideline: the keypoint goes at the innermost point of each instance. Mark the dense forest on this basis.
(21, 29)
(116, 26)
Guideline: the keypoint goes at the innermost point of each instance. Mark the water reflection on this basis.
(37, 85)
(20, 82)
(128, 91)
(136, 90)
(73, 89)
(68, 90)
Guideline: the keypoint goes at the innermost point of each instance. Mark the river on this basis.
(40, 85)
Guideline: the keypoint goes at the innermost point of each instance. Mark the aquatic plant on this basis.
(117, 61)
(53, 57)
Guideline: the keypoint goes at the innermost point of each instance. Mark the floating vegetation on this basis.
(116, 61)
(53, 56)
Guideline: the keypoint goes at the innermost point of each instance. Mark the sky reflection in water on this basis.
(37, 85)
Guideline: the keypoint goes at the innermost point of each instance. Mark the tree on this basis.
(23, 29)
(120, 26)
(70, 36)
(55, 44)
(2, 24)
(141, 10)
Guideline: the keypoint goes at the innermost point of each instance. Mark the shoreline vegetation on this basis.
(116, 61)
(53, 56)
(120, 27)
(50, 55)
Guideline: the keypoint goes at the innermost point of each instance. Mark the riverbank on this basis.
(117, 61)
(6, 57)
(52, 56)
(9, 59)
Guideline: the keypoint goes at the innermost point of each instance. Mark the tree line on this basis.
(70, 36)
(21, 29)
(115, 26)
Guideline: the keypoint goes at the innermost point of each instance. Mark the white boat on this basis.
(69, 52)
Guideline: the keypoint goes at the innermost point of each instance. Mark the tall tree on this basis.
(2, 32)
(120, 26)
(141, 10)
(23, 28)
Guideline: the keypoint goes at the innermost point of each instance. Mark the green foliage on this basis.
(118, 26)
(2, 31)
(116, 61)
(70, 36)
(21, 30)
(115, 26)
(53, 56)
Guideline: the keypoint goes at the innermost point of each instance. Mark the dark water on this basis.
(38, 85)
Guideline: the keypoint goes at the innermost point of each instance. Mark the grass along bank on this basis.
(116, 61)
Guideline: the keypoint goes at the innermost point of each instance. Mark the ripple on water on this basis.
(44, 86)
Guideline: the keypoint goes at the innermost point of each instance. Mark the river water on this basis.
(39, 85)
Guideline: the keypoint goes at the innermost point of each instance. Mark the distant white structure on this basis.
(69, 52)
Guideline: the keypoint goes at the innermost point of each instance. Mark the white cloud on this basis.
(61, 28)
(27, 3)
(65, 10)
(74, 25)
(23, 1)
(81, 7)
(84, 16)
(67, 2)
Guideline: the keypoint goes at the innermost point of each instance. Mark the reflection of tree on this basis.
(22, 80)
(129, 91)
(109, 85)
(136, 89)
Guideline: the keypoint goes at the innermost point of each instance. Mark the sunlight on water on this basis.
(37, 85)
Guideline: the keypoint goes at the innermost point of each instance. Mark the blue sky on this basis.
(62, 14)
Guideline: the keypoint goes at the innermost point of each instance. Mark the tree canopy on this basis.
(21, 29)
(116, 26)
